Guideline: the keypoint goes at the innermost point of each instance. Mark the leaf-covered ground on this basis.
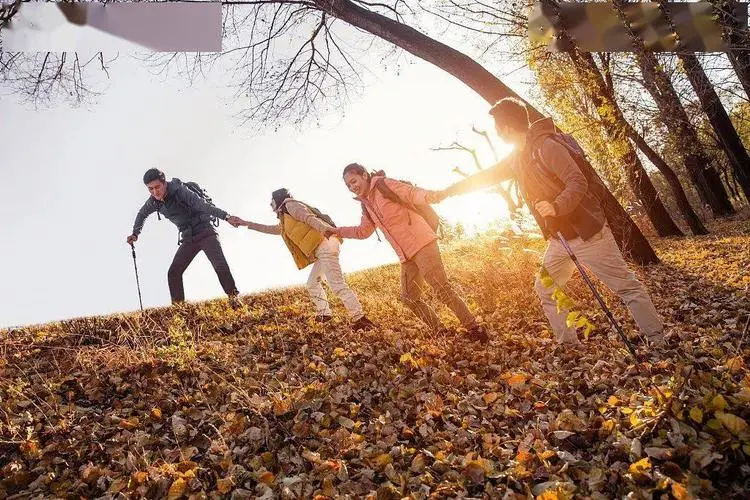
(207, 402)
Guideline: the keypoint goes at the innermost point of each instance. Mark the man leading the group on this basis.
(192, 216)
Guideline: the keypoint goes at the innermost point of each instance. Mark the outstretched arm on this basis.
(262, 228)
(494, 175)
(364, 230)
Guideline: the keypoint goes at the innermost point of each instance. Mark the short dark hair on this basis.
(512, 112)
(280, 195)
(355, 168)
(153, 174)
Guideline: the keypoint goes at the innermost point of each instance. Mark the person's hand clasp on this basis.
(330, 232)
(545, 209)
(234, 221)
(437, 196)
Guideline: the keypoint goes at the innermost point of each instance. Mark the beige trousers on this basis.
(601, 256)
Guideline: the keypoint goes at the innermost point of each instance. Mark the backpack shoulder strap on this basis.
(388, 193)
(536, 155)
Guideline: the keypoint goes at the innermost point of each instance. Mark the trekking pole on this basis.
(597, 296)
(137, 281)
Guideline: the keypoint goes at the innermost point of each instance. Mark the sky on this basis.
(72, 182)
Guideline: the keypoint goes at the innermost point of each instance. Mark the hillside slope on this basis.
(206, 402)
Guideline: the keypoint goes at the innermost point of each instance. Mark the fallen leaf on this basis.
(177, 489)
(735, 424)
(696, 414)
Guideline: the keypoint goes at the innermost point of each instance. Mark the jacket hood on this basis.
(544, 126)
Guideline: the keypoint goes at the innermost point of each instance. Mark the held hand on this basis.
(330, 232)
(234, 221)
(545, 209)
(132, 238)
(437, 196)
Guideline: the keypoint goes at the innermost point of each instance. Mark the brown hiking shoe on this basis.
(477, 333)
(363, 323)
(235, 302)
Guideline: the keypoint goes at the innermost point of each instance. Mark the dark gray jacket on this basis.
(183, 208)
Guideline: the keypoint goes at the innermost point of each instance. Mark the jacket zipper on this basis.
(385, 229)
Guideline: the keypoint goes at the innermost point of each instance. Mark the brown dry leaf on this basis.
(516, 380)
(696, 414)
(129, 423)
(311, 456)
(475, 470)
(718, 403)
(30, 449)
(383, 459)
(642, 465)
(548, 495)
(735, 424)
(267, 478)
(490, 397)
(139, 477)
(735, 364)
(680, 492)
(177, 489)
(224, 485)
(156, 413)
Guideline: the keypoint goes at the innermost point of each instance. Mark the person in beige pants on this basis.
(302, 228)
(559, 195)
(601, 255)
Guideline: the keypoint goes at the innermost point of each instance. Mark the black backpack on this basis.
(423, 210)
(195, 188)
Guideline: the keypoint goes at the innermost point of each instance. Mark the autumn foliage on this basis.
(207, 402)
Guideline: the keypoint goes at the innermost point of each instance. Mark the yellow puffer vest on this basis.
(301, 240)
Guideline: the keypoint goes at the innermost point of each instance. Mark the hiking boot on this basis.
(477, 333)
(445, 332)
(235, 302)
(323, 318)
(656, 340)
(363, 323)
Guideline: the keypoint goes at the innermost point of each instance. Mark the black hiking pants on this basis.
(208, 242)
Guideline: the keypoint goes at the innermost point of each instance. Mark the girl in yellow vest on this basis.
(302, 231)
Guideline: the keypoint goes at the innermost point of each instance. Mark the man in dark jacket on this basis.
(560, 198)
(192, 216)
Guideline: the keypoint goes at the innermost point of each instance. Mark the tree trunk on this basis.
(719, 120)
(629, 238)
(736, 37)
(638, 179)
(681, 131)
(696, 226)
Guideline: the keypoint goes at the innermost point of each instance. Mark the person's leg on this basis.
(328, 258)
(185, 254)
(411, 295)
(212, 248)
(603, 257)
(430, 265)
(560, 268)
(316, 291)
